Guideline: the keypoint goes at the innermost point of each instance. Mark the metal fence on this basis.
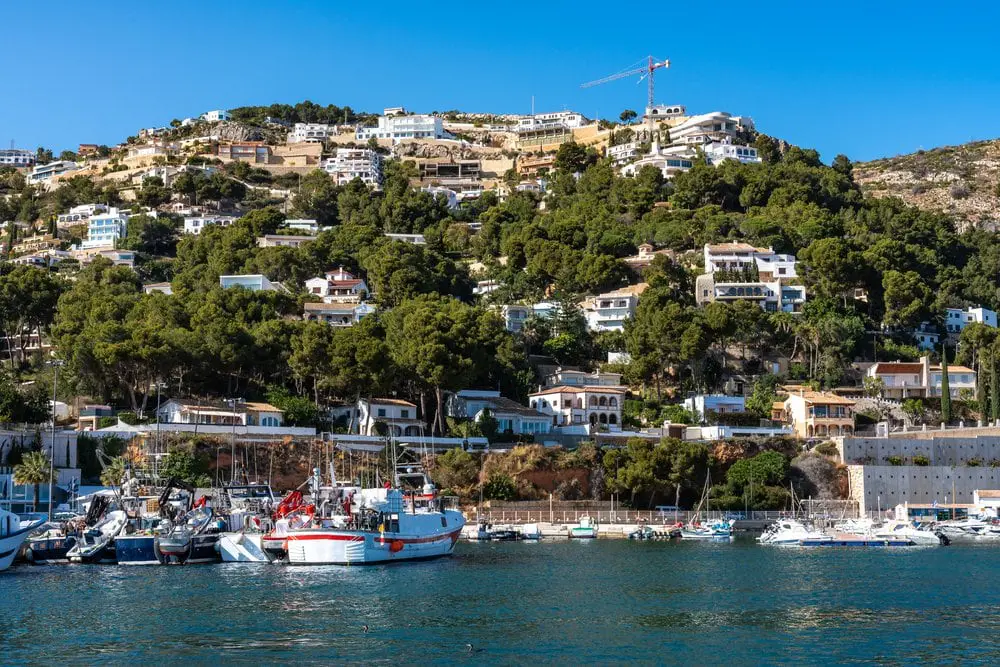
(651, 517)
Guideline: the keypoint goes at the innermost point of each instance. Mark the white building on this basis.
(514, 316)
(79, 215)
(220, 413)
(920, 379)
(215, 115)
(708, 128)
(718, 152)
(741, 272)
(956, 319)
(194, 224)
(450, 195)
(398, 128)
(608, 311)
(311, 133)
(16, 157)
(253, 282)
(103, 229)
(624, 153)
(670, 161)
(346, 164)
(702, 404)
(162, 288)
(664, 112)
(340, 286)
(568, 119)
(415, 239)
(394, 111)
(512, 418)
(303, 225)
(282, 240)
(565, 377)
(399, 417)
(44, 172)
(569, 406)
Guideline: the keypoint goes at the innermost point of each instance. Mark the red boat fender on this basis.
(396, 546)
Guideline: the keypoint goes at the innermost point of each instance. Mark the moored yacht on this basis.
(904, 530)
(789, 532)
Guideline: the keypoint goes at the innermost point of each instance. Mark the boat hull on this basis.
(11, 543)
(136, 550)
(243, 548)
(102, 555)
(192, 551)
(49, 550)
(583, 533)
(348, 547)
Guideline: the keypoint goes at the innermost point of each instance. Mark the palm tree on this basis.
(114, 472)
(33, 469)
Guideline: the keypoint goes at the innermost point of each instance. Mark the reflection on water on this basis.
(598, 601)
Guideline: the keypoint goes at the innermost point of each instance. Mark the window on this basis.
(381, 412)
(404, 414)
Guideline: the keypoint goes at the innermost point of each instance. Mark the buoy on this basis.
(396, 546)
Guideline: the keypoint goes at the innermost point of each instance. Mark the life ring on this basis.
(396, 546)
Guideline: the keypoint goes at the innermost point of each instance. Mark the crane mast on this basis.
(646, 71)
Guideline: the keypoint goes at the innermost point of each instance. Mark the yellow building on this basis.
(815, 414)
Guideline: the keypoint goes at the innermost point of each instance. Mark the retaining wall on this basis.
(874, 486)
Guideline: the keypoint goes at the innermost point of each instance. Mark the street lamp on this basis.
(55, 364)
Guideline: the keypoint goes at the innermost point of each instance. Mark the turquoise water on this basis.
(604, 601)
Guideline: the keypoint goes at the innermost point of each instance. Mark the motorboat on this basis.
(715, 530)
(530, 531)
(642, 533)
(861, 526)
(49, 544)
(249, 521)
(404, 521)
(585, 529)
(904, 530)
(97, 544)
(136, 545)
(969, 529)
(191, 540)
(789, 532)
(12, 536)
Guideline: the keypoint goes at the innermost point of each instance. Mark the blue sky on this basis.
(867, 79)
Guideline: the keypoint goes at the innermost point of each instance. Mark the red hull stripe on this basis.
(358, 538)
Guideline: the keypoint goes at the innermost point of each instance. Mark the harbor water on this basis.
(557, 601)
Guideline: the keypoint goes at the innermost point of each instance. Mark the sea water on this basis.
(592, 601)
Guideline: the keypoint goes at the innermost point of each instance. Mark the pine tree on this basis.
(945, 390)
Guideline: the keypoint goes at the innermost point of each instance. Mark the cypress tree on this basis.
(994, 392)
(945, 390)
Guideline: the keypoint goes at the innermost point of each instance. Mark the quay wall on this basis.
(881, 486)
(940, 451)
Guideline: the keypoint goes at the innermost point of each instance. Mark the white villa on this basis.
(398, 128)
(608, 311)
(340, 286)
(569, 406)
(346, 164)
(739, 271)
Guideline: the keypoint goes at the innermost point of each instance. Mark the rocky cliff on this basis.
(960, 180)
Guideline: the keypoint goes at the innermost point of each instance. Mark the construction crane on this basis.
(647, 71)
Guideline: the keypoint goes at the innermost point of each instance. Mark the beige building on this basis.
(815, 414)
(920, 379)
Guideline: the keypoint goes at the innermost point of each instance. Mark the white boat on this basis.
(904, 530)
(789, 532)
(530, 531)
(716, 530)
(192, 540)
(97, 544)
(12, 535)
(862, 526)
(249, 521)
(586, 529)
(356, 526)
(967, 530)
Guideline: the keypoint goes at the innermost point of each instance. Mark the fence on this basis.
(624, 516)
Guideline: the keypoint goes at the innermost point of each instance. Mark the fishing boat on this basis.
(136, 545)
(354, 526)
(97, 544)
(789, 532)
(12, 536)
(192, 540)
(642, 533)
(585, 529)
(714, 530)
(293, 513)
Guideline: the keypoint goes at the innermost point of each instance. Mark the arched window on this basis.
(612, 419)
(534, 403)
(593, 401)
(604, 418)
(579, 403)
(613, 402)
(593, 418)
(603, 402)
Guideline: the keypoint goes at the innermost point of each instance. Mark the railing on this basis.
(627, 516)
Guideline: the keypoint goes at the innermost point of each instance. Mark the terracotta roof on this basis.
(565, 389)
(329, 307)
(896, 368)
(391, 401)
(821, 397)
(954, 369)
(989, 494)
(261, 407)
(778, 405)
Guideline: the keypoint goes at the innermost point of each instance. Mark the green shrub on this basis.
(974, 463)
(827, 449)
(921, 460)
(894, 460)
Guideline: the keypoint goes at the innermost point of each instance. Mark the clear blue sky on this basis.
(867, 79)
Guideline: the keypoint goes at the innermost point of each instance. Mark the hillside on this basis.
(958, 180)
